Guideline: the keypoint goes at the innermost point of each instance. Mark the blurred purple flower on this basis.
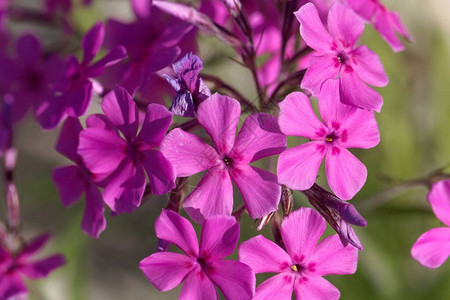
(202, 266)
(14, 267)
(115, 152)
(65, 6)
(72, 181)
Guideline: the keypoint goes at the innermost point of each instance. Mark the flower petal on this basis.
(321, 68)
(333, 258)
(315, 288)
(213, 196)
(298, 118)
(259, 137)
(92, 42)
(68, 139)
(100, 121)
(157, 121)
(175, 229)
(383, 22)
(301, 231)
(220, 235)
(278, 287)
(188, 153)
(235, 279)
(346, 175)
(198, 286)
(344, 25)
(12, 287)
(70, 184)
(160, 172)
(439, 198)
(219, 115)
(29, 50)
(432, 248)
(312, 29)
(263, 255)
(297, 167)
(368, 66)
(114, 56)
(259, 188)
(43, 267)
(166, 270)
(94, 222)
(35, 245)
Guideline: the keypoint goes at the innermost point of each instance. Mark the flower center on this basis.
(330, 138)
(228, 161)
(342, 58)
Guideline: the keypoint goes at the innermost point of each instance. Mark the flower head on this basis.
(303, 262)
(343, 127)
(336, 56)
(201, 266)
(228, 160)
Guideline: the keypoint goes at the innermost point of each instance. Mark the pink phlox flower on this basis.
(114, 151)
(303, 262)
(74, 180)
(15, 267)
(343, 127)
(74, 92)
(335, 56)
(432, 248)
(386, 22)
(228, 161)
(201, 267)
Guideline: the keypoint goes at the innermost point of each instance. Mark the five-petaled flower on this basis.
(229, 161)
(202, 266)
(303, 263)
(343, 127)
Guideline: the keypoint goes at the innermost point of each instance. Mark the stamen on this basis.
(227, 161)
(294, 268)
(329, 139)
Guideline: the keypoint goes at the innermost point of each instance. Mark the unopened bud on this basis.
(287, 200)
(264, 221)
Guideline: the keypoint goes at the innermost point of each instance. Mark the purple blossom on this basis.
(65, 6)
(201, 267)
(191, 90)
(302, 263)
(432, 248)
(72, 181)
(387, 23)
(74, 92)
(343, 127)
(14, 267)
(228, 161)
(335, 56)
(112, 150)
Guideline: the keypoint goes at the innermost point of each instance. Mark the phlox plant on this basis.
(163, 117)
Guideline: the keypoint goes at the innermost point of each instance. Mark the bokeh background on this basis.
(415, 139)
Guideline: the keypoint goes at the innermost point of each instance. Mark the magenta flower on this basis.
(112, 149)
(229, 161)
(204, 265)
(387, 23)
(72, 181)
(343, 127)
(303, 263)
(74, 93)
(432, 248)
(14, 267)
(335, 56)
(65, 6)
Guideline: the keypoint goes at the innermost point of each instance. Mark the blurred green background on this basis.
(415, 131)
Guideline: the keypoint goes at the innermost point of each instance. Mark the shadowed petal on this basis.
(68, 139)
(160, 172)
(220, 235)
(12, 286)
(43, 267)
(157, 121)
(29, 49)
(368, 66)
(114, 56)
(100, 121)
(92, 42)
(35, 245)
(439, 198)
(315, 288)
(278, 287)
(432, 248)
(70, 184)
(321, 68)
(198, 286)
(94, 222)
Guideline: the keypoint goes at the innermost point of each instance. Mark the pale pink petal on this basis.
(70, 184)
(42, 268)
(346, 175)
(315, 288)
(219, 115)
(264, 256)
(398, 25)
(166, 270)
(365, 9)
(94, 222)
(175, 229)
(101, 150)
(312, 29)
(259, 188)
(301, 231)
(198, 286)
(439, 198)
(432, 248)
(68, 138)
(360, 130)
(381, 22)
(125, 188)
(297, 117)
(355, 92)
(188, 153)
(121, 110)
(213, 196)
(297, 167)
(331, 257)
(161, 173)
(157, 121)
(321, 68)
(234, 279)
(368, 66)
(344, 25)
(259, 137)
(278, 287)
(219, 237)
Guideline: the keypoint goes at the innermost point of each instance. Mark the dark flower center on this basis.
(342, 58)
(228, 161)
(330, 138)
